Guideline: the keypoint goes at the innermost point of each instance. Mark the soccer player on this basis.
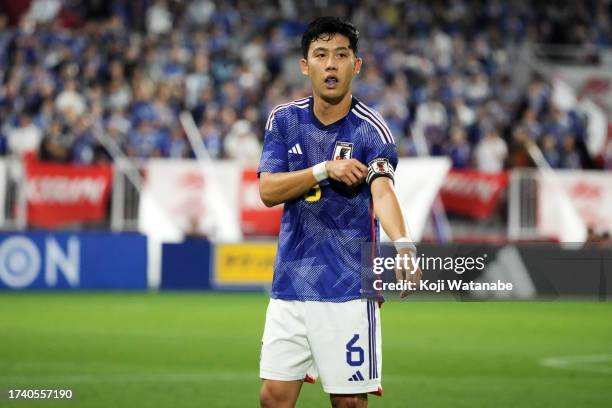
(330, 159)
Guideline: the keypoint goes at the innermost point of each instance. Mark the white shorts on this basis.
(338, 342)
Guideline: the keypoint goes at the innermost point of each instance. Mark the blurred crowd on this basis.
(75, 73)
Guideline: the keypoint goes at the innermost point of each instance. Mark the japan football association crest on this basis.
(343, 150)
(382, 166)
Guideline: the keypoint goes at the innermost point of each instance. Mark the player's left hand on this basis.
(408, 271)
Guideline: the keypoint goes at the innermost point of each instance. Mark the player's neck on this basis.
(328, 113)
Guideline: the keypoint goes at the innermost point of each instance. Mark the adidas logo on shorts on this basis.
(356, 377)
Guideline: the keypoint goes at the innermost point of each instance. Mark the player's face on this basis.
(331, 65)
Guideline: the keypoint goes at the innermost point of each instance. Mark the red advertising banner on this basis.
(60, 194)
(255, 217)
(473, 193)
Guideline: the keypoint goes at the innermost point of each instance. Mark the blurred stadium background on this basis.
(135, 252)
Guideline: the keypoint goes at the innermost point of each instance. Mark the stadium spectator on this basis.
(197, 79)
(119, 94)
(178, 146)
(241, 143)
(159, 19)
(531, 124)
(462, 112)
(491, 153)
(458, 148)
(146, 141)
(26, 137)
(211, 135)
(56, 144)
(550, 150)
(570, 158)
(70, 99)
(518, 156)
(431, 120)
(84, 143)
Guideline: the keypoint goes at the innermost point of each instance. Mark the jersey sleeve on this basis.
(274, 155)
(381, 153)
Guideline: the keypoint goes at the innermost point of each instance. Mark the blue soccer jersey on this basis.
(321, 235)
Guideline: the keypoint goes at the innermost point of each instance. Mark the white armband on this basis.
(405, 243)
(319, 171)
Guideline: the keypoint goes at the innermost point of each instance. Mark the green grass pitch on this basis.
(202, 350)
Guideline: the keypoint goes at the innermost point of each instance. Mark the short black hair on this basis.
(329, 26)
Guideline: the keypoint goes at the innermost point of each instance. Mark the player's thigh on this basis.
(279, 394)
(346, 344)
(285, 352)
(349, 401)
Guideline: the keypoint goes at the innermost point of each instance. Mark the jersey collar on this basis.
(333, 125)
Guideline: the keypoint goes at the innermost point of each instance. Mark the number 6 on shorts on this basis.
(351, 349)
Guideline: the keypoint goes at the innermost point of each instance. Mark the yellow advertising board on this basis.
(245, 264)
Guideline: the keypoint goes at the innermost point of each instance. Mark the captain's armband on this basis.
(380, 167)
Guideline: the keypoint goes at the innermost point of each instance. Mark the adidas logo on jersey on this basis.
(296, 149)
(356, 377)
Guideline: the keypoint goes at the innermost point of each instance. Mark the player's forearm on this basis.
(387, 209)
(276, 188)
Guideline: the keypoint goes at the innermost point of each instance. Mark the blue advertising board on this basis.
(186, 265)
(66, 260)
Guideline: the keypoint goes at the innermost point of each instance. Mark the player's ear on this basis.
(304, 66)
(357, 67)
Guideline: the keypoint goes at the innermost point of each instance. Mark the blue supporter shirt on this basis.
(321, 235)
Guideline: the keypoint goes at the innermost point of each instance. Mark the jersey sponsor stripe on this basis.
(371, 122)
(370, 114)
(373, 237)
(374, 359)
(373, 230)
(370, 368)
(300, 103)
(272, 115)
(378, 118)
(296, 102)
(271, 118)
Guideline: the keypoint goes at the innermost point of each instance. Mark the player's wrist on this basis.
(405, 244)
(319, 171)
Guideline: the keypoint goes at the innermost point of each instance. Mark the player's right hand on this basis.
(349, 171)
